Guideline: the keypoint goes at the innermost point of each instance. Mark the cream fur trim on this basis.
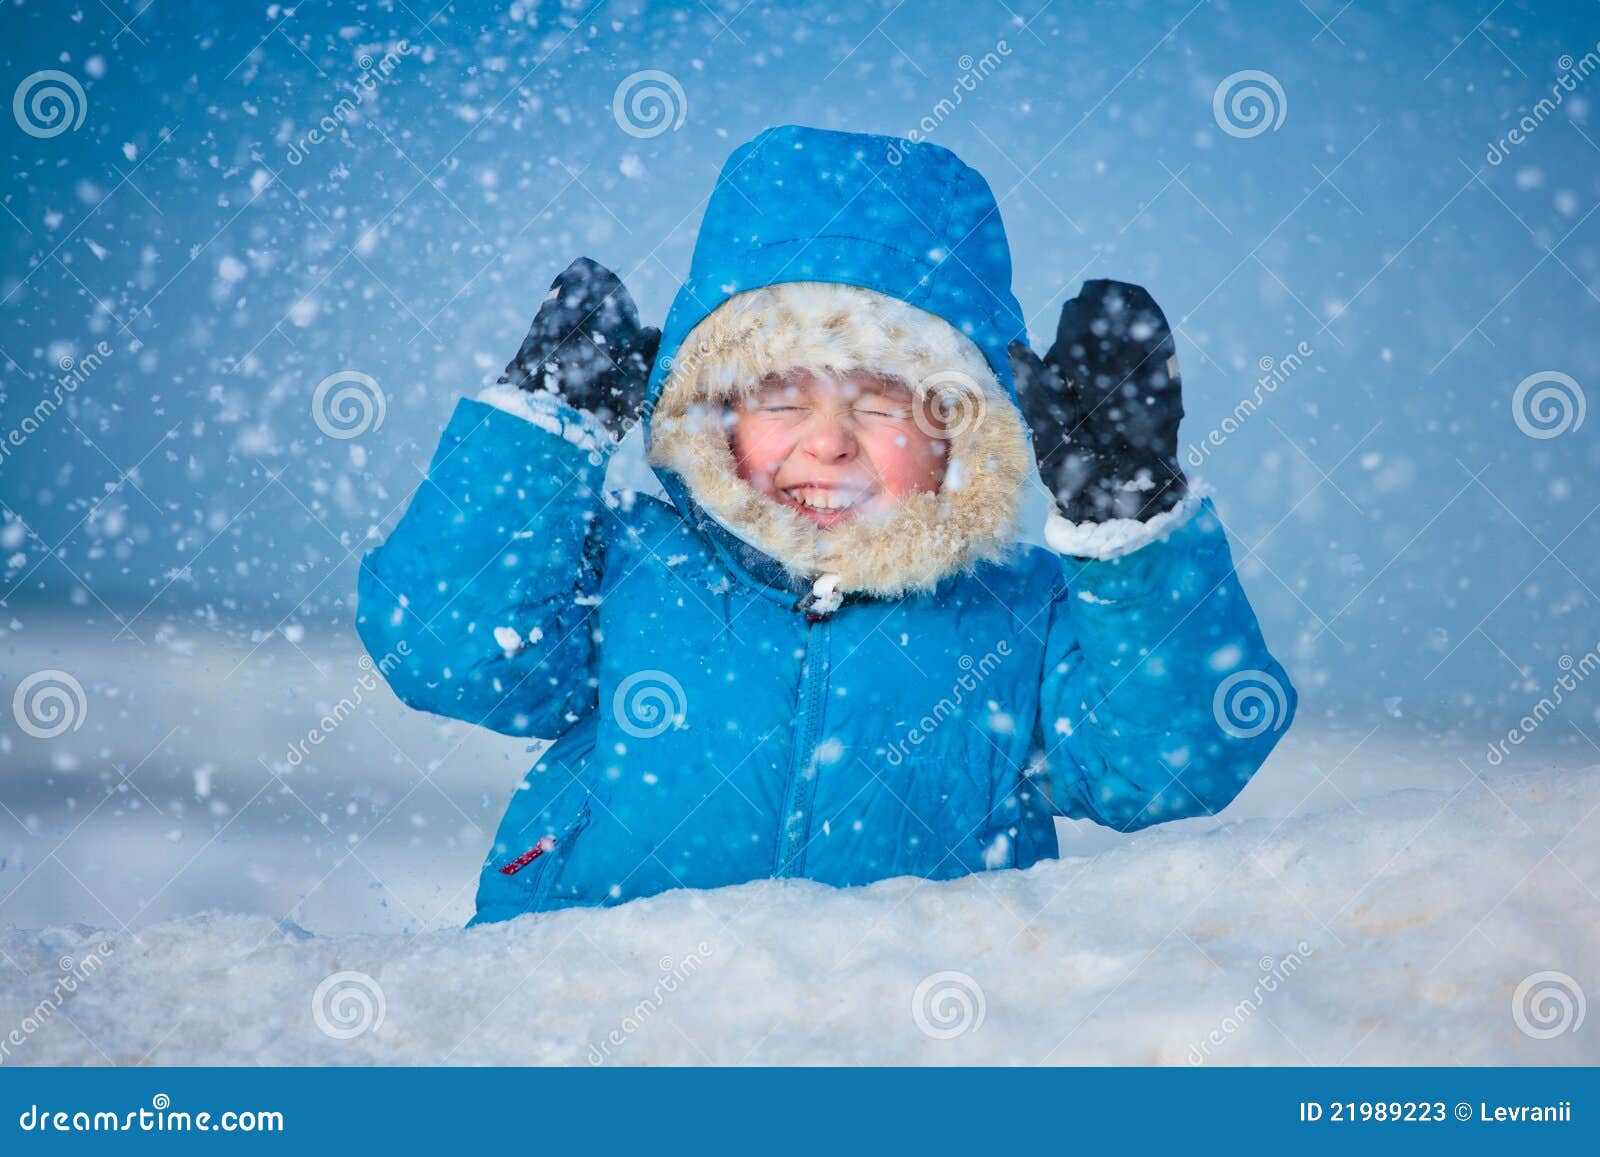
(1119, 536)
(549, 412)
(822, 326)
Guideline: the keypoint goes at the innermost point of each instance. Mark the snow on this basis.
(230, 868)
(1393, 932)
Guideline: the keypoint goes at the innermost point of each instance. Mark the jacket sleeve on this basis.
(480, 605)
(1159, 699)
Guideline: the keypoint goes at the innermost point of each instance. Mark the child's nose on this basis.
(828, 440)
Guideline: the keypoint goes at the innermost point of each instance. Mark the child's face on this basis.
(834, 446)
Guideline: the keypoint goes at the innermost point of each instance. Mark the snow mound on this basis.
(1419, 927)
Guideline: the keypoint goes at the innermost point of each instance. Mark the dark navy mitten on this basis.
(1104, 405)
(586, 346)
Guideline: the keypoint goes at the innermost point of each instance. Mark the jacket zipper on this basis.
(795, 821)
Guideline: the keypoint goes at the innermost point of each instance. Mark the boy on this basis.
(827, 655)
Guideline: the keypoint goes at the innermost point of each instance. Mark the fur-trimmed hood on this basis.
(821, 327)
(819, 252)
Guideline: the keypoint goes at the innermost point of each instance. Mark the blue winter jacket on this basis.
(714, 726)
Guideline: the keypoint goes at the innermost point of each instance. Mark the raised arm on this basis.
(1160, 699)
(480, 604)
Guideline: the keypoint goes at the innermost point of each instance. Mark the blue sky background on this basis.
(1413, 554)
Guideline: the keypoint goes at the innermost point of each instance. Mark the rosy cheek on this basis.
(759, 452)
(906, 461)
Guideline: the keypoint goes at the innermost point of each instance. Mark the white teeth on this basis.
(819, 499)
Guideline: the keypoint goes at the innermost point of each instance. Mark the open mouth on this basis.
(825, 505)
